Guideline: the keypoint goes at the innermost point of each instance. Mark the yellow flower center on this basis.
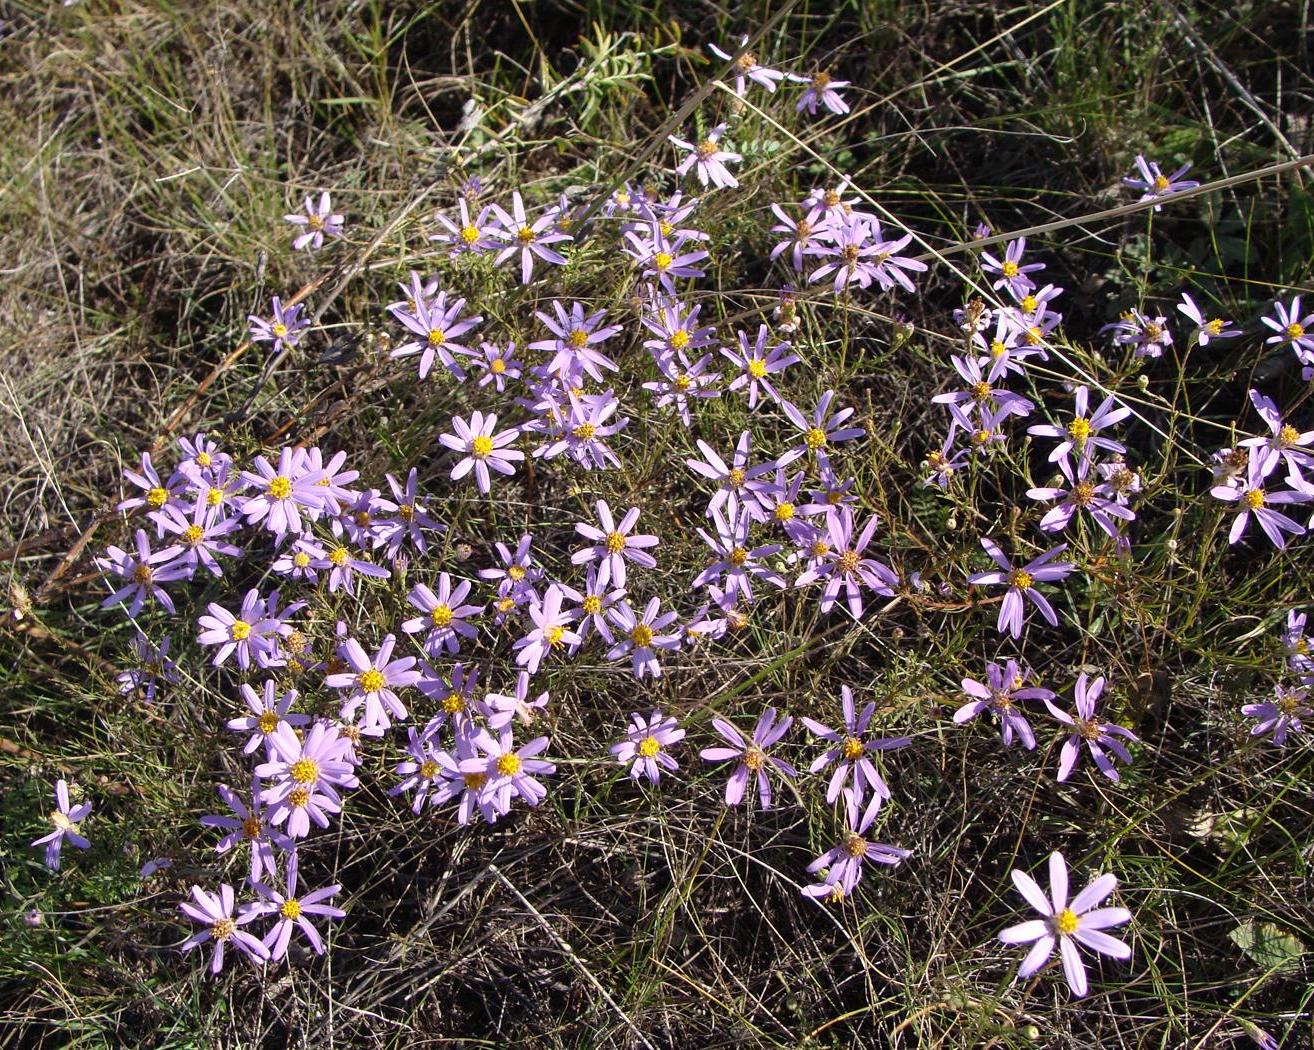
(240, 631)
(682, 383)
(290, 908)
(298, 798)
(815, 438)
(506, 604)
(1295, 330)
(615, 543)
(305, 770)
(1215, 326)
(469, 234)
(679, 339)
(1254, 498)
(474, 781)
(819, 548)
(61, 821)
(705, 149)
(754, 758)
(853, 748)
(516, 572)
(737, 556)
(1066, 921)
(784, 511)
(1161, 183)
(641, 636)
(1034, 336)
(223, 929)
(648, 747)
(280, 329)
(251, 828)
(1029, 304)
(737, 477)
(855, 845)
(981, 390)
(1079, 430)
(268, 722)
(1021, 579)
(554, 635)
(453, 704)
(214, 497)
(592, 604)
(481, 447)
(832, 198)
(666, 228)
(157, 498)
(193, 534)
(338, 556)
(585, 431)
(508, 765)
(203, 459)
(1083, 492)
(428, 769)
(280, 487)
(981, 437)
(998, 349)
(1289, 703)
(524, 235)
(142, 574)
(441, 616)
(848, 562)
(301, 559)
(437, 337)
(661, 261)
(371, 681)
(405, 511)
(497, 366)
(578, 338)
(821, 80)
(1009, 269)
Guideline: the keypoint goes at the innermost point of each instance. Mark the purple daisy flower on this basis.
(645, 746)
(708, 159)
(1215, 328)
(499, 364)
(1252, 499)
(215, 914)
(65, 819)
(304, 777)
(1294, 329)
(373, 681)
(144, 570)
(1284, 443)
(735, 563)
(152, 666)
(1091, 730)
(283, 492)
(844, 862)
(444, 615)
(267, 714)
(998, 694)
(294, 911)
(853, 752)
(1010, 270)
(575, 332)
(551, 630)
(822, 88)
(1097, 499)
(843, 566)
(746, 68)
(500, 710)
(1021, 583)
(613, 545)
(437, 324)
(817, 434)
(202, 534)
(1153, 183)
(483, 448)
(641, 636)
(751, 756)
(1067, 925)
(741, 485)
(283, 329)
(248, 824)
(318, 221)
(530, 240)
(756, 362)
(1081, 436)
(510, 770)
(253, 633)
(1280, 715)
